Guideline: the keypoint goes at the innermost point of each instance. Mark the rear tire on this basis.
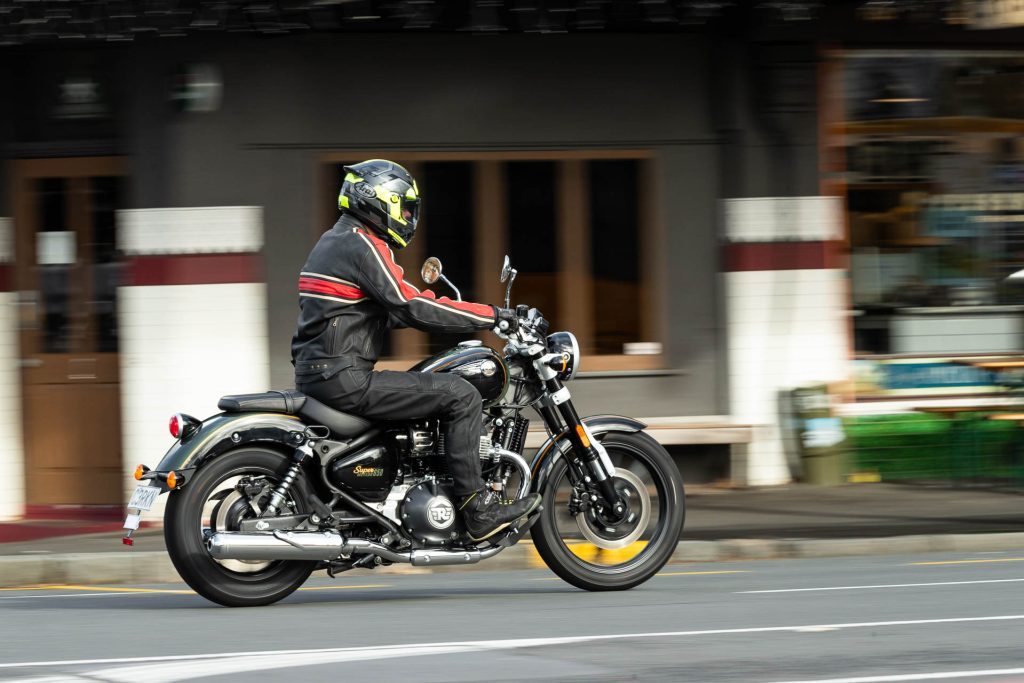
(658, 549)
(187, 547)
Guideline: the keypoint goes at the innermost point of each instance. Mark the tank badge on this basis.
(361, 471)
(440, 512)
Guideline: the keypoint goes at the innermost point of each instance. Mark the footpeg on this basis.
(519, 530)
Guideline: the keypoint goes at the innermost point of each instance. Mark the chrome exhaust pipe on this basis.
(280, 545)
(329, 545)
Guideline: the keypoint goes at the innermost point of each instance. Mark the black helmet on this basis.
(384, 196)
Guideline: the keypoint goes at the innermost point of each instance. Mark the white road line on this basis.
(68, 595)
(887, 585)
(168, 668)
(915, 677)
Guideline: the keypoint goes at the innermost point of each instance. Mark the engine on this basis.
(429, 513)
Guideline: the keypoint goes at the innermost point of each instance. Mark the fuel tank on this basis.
(479, 365)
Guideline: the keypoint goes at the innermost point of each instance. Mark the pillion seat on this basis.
(294, 403)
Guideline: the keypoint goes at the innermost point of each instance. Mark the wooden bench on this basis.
(697, 430)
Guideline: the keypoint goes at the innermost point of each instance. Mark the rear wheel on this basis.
(212, 501)
(597, 550)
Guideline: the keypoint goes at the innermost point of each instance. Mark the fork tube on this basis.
(588, 454)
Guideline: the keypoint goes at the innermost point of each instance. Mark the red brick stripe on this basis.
(193, 269)
(744, 256)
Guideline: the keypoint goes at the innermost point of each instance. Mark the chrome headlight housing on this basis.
(566, 344)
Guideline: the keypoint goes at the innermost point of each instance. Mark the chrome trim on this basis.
(330, 545)
(561, 396)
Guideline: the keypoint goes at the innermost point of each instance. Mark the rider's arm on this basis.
(382, 279)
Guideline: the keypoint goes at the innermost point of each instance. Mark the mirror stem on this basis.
(508, 288)
(458, 294)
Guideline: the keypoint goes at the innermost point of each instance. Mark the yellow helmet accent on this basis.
(395, 236)
(342, 202)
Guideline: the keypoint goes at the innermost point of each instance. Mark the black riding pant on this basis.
(388, 395)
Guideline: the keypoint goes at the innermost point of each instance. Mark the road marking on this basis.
(155, 669)
(722, 571)
(994, 559)
(888, 585)
(339, 587)
(104, 591)
(915, 677)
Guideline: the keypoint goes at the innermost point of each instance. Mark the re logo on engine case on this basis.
(440, 512)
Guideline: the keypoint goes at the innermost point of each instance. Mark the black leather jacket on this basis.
(351, 292)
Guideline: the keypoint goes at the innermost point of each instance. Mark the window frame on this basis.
(491, 241)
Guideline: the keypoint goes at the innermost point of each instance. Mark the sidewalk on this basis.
(788, 521)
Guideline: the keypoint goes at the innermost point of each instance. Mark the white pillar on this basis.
(786, 308)
(12, 456)
(192, 316)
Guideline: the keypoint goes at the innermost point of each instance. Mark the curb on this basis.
(147, 567)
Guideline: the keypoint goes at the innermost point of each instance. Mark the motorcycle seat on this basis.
(295, 403)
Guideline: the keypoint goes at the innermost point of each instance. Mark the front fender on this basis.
(551, 450)
(226, 431)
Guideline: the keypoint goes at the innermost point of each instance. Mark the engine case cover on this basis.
(430, 514)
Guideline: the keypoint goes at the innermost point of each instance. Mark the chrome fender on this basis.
(553, 449)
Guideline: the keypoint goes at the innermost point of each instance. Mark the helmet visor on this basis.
(411, 210)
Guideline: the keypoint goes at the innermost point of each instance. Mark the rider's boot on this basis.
(485, 513)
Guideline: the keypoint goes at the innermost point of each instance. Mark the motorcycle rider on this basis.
(351, 292)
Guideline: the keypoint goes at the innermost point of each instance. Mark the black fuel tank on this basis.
(479, 365)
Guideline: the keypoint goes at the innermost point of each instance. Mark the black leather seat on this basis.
(294, 403)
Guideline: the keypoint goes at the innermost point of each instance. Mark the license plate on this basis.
(144, 497)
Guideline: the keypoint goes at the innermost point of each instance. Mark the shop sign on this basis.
(995, 14)
(80, 97)
(920, 376)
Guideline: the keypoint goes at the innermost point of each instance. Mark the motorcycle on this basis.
(279, 485)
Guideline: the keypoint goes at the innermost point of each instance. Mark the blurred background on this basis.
(782, 230)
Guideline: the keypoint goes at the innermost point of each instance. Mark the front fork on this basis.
(597, 469)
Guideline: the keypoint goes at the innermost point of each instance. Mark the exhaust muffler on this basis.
(280, 545)
(329, 545)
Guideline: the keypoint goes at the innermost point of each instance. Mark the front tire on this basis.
(575, 561)
(183, 533)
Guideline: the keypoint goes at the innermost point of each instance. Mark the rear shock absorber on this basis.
(280, 492)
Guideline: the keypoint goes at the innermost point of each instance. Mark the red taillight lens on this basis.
(175, 426)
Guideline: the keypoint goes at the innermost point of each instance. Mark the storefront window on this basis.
(933, 145)
(571, 225)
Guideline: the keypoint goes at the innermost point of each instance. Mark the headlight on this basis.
(565, 342)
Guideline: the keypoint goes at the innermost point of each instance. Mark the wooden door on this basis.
(66, 274)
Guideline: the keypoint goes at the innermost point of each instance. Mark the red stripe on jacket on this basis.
(312, 285)
(409, 292)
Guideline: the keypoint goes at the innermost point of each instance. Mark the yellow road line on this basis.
(334, 588)
(997, 559)
(116, 589)
(112, 589)
(722, 571)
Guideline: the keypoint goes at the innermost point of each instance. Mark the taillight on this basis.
(175, 426)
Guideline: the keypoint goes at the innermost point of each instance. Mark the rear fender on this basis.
(224, 432)
(553, 450)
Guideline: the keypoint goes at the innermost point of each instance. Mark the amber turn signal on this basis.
(139, 471)
(583, 436)
(172, 480)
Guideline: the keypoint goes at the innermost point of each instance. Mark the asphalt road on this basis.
(874, 619)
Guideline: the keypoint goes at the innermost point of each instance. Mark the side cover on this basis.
(552, 450)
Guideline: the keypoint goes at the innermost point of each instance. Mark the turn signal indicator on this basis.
(139, 471)
(172, 480)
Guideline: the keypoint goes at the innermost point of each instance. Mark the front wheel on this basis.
(593, 549)
(233, 487)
